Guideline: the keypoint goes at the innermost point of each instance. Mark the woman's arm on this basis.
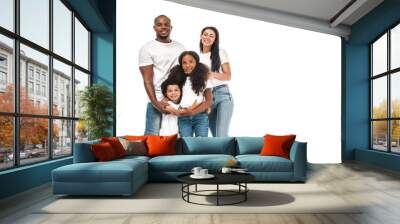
(203, 105)
(225, 75)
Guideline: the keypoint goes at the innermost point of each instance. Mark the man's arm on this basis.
(147, 75)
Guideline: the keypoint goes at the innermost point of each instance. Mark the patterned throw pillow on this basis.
(134, 147)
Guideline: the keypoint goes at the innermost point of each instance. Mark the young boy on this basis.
(172, 93)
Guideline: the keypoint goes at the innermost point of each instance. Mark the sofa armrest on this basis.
(298, 155)
(83, 152)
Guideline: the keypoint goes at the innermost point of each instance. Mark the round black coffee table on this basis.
(238, 179)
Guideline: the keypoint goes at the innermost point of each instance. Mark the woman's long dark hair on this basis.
(198, 77)
(215, 59)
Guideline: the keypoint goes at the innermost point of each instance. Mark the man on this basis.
(156, 58)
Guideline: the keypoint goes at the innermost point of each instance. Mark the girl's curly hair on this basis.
(198, 77)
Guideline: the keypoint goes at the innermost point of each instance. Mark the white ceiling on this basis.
(315, 15)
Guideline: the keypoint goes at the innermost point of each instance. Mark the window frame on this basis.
(15, 72)
(388, 74)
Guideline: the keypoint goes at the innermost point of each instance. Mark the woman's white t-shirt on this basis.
(205, 59)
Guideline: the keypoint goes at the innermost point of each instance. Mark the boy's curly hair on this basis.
(168, 82)
(198, 77)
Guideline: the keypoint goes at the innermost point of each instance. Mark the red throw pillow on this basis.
(277, 145)
(161, 145)
(116, 145)
(103, 151)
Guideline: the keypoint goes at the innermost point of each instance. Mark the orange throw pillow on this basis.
(277, 145)
(103, 152)
(161, 145)
(116, 145)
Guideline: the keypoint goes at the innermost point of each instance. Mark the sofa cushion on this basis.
(161, 145)
(111, 171)
(249, 145)
(103, 151)
(185, 163)
(116, 145)
(257, 163)
(205, 145)
(134, 147)
(277, 145)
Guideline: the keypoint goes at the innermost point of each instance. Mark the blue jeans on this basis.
(153, 120)
(197, 125)
(221, 111)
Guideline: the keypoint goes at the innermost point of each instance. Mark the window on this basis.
(81, 45)
(43, 90)
(37, 89)
(35, 21)
(7, 14)
(30, 87)
(62, 29)
(385, 92)
(30, 72)
(7, 85)
(3, 72)
(3, 61)
(3, 78)
(54, 125)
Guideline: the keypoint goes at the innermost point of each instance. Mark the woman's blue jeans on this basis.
(221, 111)
(197, 125)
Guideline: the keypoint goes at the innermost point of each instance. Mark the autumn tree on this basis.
(380, 127)
(33, 131)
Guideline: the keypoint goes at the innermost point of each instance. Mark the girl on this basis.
(217, 60)
(196, 95)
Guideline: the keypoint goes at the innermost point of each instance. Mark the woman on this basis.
(192, 76)
(220, 74)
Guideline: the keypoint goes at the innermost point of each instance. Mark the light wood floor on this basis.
(377, 188)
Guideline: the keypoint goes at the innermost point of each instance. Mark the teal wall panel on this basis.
(24, 178)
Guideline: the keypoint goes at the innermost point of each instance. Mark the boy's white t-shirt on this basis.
(163, 56)
(169, 122)
(205, 59)
(189, 96)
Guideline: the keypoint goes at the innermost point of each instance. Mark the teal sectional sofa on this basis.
(125, 176)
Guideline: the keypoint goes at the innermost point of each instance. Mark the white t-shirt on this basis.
(163, 56)
(189, 96)
(169, 122)
(205, 59)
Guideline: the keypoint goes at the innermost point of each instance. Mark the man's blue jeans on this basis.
(153, 120)
(197, 125)
(221, 111)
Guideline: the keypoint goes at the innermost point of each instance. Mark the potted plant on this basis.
(97, 106)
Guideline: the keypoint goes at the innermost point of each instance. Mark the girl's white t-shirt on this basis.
(205, 59)
(189, 96)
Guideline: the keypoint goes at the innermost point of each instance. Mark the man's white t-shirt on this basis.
(169, 122)
(205, 59)
(163, 56)
(189, 96)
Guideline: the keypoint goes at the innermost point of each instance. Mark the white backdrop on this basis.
(284, 80)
